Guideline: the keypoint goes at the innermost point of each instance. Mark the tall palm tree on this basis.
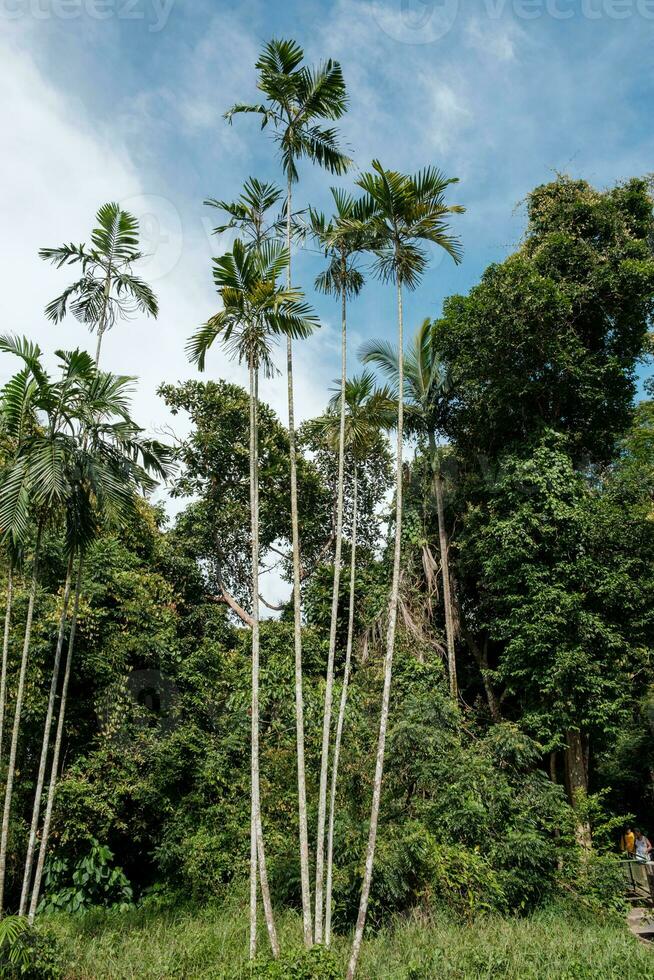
(16, 417)
(298, 99)
(35, 483)
(112, 466)
(107, 288)
(95, 472)
(425, 384)
(343, 279)
(368, 410)
(5, 645)
(403, 214)
(255, 310)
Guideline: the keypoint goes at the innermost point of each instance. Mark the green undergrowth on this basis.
(211, 943)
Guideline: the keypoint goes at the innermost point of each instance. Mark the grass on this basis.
(212, 943)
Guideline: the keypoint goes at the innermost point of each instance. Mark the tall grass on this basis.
(212, 943)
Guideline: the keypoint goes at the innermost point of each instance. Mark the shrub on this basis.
(465, 882)
(317, 963)
(92, 881)
(28, 952)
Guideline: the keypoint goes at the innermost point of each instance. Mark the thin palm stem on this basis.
(20, 691)
(45, 745)
(388, 661)
(329, 683)
(445, 572)
(341, 718)
(103, 318)
(259, 858)
(54, 768)
(253, 879)
(297, 620)
(5, 651)
(254, 710)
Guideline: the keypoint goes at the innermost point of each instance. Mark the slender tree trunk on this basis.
(341, 718)
(445, 571)
(254, 625)
(5, 652)
(297, 622)
(102, 324)
(54, 767)
(257, 856)
(577, 780)
(388, 660)
(11, 768)
(253, 877)
(45, 745)
(329, 682)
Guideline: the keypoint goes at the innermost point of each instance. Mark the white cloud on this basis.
(55, 171)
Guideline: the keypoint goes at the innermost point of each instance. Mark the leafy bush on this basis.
(312, 964)
(92, 882)
(465, 882)
(598, 882)
(28, 952)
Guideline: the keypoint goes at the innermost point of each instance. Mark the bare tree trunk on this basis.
(11, 769)
(329, 683)
(388, 660)
(577, 780)
(297, 622)
(5, 652)
(54, 768)
(341, 719)
(445, 571)
(257, 856)
(45, 745)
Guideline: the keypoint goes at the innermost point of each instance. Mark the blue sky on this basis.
(123, 99)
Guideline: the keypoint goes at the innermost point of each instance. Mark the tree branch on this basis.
(228, 600)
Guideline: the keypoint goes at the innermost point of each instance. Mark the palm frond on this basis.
(137, 290)
(280, 56)
(243, 107)
(321, 92)
(65, 255)
(15, 501)
(17, 404)
(116, 235)
(200, 342)
(320, 145)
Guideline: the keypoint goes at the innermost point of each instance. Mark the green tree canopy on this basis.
(552, 336)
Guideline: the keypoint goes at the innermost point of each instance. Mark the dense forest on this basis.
(454, 709)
